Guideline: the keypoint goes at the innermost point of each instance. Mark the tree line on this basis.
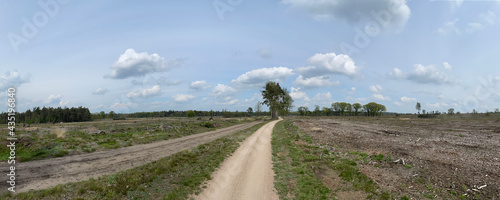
(50, 115)
(344, 109)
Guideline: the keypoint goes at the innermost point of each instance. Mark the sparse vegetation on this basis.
(173, 177)
(300, 166)
(47, 141)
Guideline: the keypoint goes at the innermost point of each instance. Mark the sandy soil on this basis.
(248, 173)
(447, 156)
(51, 172)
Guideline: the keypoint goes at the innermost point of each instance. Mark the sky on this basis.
(134, 56)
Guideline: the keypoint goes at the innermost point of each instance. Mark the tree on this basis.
(190, 113)
(497, 110)
(250, 111)
(277, 99)
(102, 114)
(258, 108)
(418, 107)
(374, 109)
(286, 103)
(111, 114)
(474, 111)
(356, 108)
(326, 111)
(336, 107)
(303, 110)
(451, 111)
(423, 111)
(316, 110)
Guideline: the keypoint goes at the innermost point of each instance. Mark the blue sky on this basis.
(130, 56)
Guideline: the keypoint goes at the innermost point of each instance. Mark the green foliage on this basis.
(50, 115)
(303, 110)
(277, 99)
(207, 125)
(374, 109)
(190, 113)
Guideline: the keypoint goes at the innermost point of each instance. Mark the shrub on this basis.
(190, 113)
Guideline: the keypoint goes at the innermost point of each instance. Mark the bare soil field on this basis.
(443, 158)
(51, 172)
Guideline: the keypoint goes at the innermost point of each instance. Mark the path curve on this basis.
(248, 173)
(47, 173)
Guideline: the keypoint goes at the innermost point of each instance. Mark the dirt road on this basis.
(248, 173)
(51, 172)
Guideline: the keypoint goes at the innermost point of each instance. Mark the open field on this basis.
(80, 165)
(42, 141)
(449, 157)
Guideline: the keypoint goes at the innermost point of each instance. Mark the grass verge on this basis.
(173, 177)
(294, 178)
(299, 165)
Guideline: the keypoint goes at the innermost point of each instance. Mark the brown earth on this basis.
(248, 173)
(445, 158)
(51, 172)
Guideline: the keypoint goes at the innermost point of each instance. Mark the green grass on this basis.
(294, 178)
(173, 177)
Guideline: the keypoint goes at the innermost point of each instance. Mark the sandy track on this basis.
(248, 173)
(51, 172)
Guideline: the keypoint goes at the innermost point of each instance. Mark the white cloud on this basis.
(323, 97)
(315, 82)
(436, 105)
(381, 97)
(408, 99)
(53, 99)
(255, 97)
(265, 53)
(257, 78)
(182, 97)
(456, 3)
(227, 101)
(120, 105)
(132, 64)
(155, 90)
(329, 63)
(489, 17)
(449, 27)
(397, 103)
(356, 11)
(353, 90)
(13, 79)
(473, 27)
(428, 75)
(199, 85)
(100, 91)
(375, 88)
(297, 94)
(222, 91)
(63, 103)
(397, 74)
(447, 66)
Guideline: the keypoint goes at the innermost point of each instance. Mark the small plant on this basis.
(378, 157)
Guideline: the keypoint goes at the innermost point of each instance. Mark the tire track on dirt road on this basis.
(44, 174)
(248, 173)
